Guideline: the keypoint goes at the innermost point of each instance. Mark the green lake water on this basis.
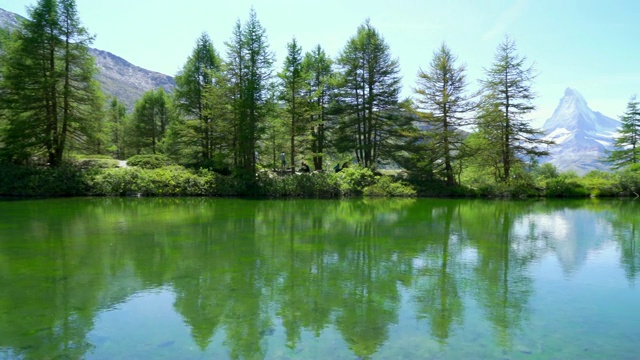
(307, 279)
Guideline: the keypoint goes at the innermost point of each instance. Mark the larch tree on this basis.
(508, 87)
(192, 81)
(294, 95)
(150, 120)
(50, 97)
(368, 95)
(116, 125)
(626, 151)
(319, 67)
(249, 71)
(442, 91)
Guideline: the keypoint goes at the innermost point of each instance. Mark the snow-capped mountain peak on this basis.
(581, 134)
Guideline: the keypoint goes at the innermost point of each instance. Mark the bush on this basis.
(216, 164)
(565, 186)
(167, 181)
(312, 185)
(41, 181)
(154, 161)
(354, 180)
(386, 187)
(629, 180)
(600, 184)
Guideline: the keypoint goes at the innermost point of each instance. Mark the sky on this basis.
(590, 45)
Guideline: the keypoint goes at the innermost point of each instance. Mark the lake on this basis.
(200, 278)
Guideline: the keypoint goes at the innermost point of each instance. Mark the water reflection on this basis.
(257, 278)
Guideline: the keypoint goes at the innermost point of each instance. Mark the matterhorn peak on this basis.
(569, 92)
(580, 134)
(573, 113)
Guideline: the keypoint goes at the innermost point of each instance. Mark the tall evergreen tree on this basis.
(368, 93)
(249, 67)
(116, 125)
(508, 86)
(50, 96)
(626, 151)
(294, 94)
(150, 120)
(197, 74)
(319, 67)
(442, 91)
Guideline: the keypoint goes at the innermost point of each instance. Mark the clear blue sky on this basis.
(590, 45)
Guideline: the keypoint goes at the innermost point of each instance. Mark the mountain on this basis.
(117, 77)
(582, 135)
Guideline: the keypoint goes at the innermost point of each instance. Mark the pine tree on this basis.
(294, 95)
(626, 151)
(50, 98)
(196, 76)
(368, 94)
(508, 87)
(442, 92)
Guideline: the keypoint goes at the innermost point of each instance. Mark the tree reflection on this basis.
(438, 282)
(249, 269)
(502, 284)
(626, 231)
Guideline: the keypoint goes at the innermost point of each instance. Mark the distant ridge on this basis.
(582, 135)
(117, 77)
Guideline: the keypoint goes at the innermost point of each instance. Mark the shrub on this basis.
(65, 180)
(385, 186)
(600, 183)
(153, 161)
(629, 179)
(312, 185)
(353, 180)
(167, 181)
(564, 186)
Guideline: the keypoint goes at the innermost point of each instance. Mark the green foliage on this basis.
(151, 117)
(312, 185)
(627, 144)
(441, 91)
(116, 128)
(149, 161)
(218, 164)
(49, 96)
(385, 186)
(353, 180)
(629, 179)
(367, 95)
(502, 121)
(601, 184)
(249, 67)
(319, 67)
(294, 94)
(30, 181)
(545, 171)
(199, 75)
(565, 186)
(167, 181)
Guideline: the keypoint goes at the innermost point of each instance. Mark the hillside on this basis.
(117, 77)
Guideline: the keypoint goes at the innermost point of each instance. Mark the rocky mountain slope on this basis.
(581, 135)
(116, 76)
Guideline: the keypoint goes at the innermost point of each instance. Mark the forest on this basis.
(236, 125)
